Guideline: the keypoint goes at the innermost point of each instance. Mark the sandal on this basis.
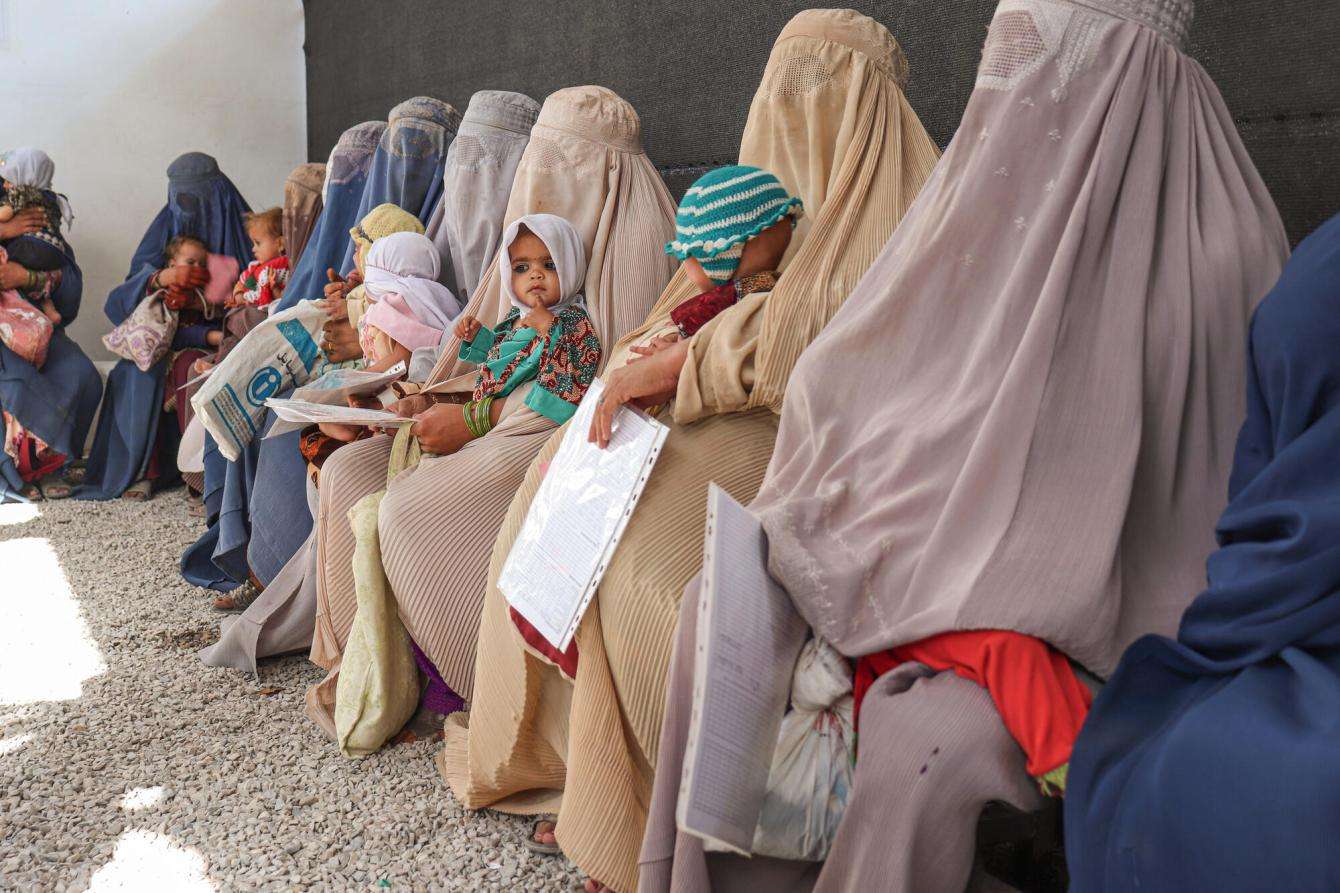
(31, 493)
(195, 506)
(544, 849)
(239, 599)
(75, 473)
(140, 491)
(55, 487)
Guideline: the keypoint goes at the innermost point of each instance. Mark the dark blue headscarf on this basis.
(407, 166)
(204, 203)
(346, 178)
(1213, 762)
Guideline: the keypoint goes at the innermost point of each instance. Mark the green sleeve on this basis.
(477, 349)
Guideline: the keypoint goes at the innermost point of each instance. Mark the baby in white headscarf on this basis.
(408, 310)
(547, 337)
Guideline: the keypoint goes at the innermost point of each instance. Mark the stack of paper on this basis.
(577, 517)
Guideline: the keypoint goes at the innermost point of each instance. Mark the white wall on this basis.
(114, 91)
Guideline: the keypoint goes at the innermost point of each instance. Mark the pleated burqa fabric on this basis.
(438, 522)
(1222, 743)
(302, 206)
(481, 163)
(477, 181)
(342, 190)
(407, 167)
(1022, 419)
(830, 120)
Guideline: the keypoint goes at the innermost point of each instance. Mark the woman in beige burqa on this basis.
(830, 120)
(436, 526)
(1022, 420)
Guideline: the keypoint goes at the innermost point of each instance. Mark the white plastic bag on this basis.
(812, 765)
(278, 354)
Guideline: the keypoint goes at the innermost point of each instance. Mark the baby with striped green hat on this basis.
(732, 229)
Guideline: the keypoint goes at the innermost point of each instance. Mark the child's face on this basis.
(265, 245)
(534, 273)
(191, 255)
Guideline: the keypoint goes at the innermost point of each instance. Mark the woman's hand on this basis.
(441, 428)
(336, 291)
(646, 383)
(13, 275)
(29, 220)
(339, 341)
(409, 407)
(539, 319)
(467, 327)
(653, 347)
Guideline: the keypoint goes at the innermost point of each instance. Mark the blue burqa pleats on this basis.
(346, 177)
(57, 402)
(1213, 762)
(407, 166)
(204, 203)
(406, 170)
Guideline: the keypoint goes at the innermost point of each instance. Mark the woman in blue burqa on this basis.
(1212, 762)
(133, 442)
(49, 409)
(404, 169)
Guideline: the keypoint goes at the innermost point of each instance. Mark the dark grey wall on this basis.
(690, 69)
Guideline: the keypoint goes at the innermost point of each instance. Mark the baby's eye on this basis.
(520, 268)
(550, 265)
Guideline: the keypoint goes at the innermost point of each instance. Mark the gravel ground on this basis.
(125, 763)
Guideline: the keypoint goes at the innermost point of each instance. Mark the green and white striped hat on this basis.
(723, 210)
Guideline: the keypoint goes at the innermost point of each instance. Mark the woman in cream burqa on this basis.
(438, 521)
(1057, 334)
(831, 122)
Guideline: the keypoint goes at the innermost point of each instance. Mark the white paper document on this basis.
(577, 517)
(309, 413)
(332, 389)
(748, 638)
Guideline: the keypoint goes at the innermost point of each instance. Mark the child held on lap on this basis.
(25, 185)
(546, 338)
(731, 230)
(407, 309)
(260, 285)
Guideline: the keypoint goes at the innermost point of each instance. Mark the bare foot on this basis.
(594, 886)
(201, 366)
(544, 834)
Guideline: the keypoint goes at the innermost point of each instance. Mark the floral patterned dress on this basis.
(562, 365)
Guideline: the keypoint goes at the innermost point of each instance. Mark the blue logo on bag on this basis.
(263, 384)
(302, 342)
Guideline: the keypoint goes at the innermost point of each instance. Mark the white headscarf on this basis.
(33, 167)
(565, 247)
(407, 264)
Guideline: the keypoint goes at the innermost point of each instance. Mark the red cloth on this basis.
(697, 312)
(564, 660)
(1035, 690)
(35, 459)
